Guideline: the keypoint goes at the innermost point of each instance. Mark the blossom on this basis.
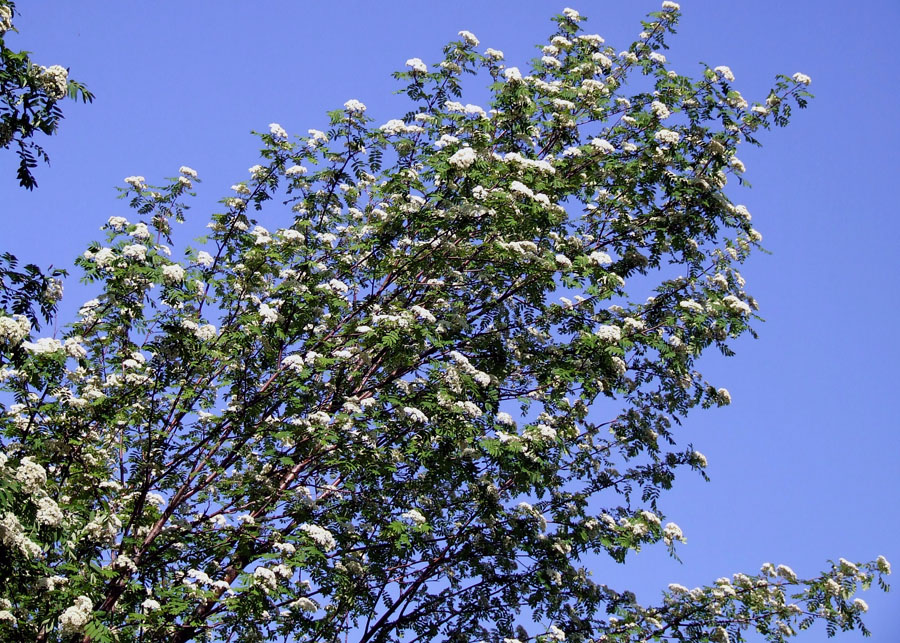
(184, 169)
(54, 80)
(469, 38)
(672, 532)
(206, 332)
(667, 137)
(265, 578)
(803, 79)
(860, 604)
(73, 620)
(204, 259)
(320, 536)
(571, 14)
(417, 65)
(43, 345)
(414, 516)
(277, 130)
(786, 573)
(670, 6)
(602, 145)
(137, 182)
(660, 110)
(609, 333)
(31, 475)
(493, 54)
(268, 314)
(600, 258)
(736, 304)
(173, 273)
(304, 604)
(117, 223)
(353, 106)
(883, 565)
(150, 605)
(14, 329)
(725, 72)
(295, 170)
(463, 158)
(698, 458)
(135, 251)
(512, 74)
(723, 397)
(415, 414)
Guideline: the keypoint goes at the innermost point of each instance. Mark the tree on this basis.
(29, 104)
(418, 407)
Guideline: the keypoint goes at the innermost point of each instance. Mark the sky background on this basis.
(804, 463)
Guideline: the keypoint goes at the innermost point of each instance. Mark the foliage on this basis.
(419, 407)
(29, 100)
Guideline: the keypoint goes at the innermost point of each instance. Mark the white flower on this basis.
(277, 130)
(417, 65)
(54, 81)
(725, 72)
(571, 14)
(173, 273)
(513, 74)
(150, 605)
(860, 604)
(31, 475)
(555, 634)
(353, 106)
(600, 258)
(660, 110)
(43, 345)
(667, 137)
(14, 329)
(883, 565)
(295, 170)
(135, 251)
(723, 397)
(268, 314)
(602, 145)
(469, 37)
(672, 532)
(117, 223)
(520, 188)
(206, 332)
(414, 516)
(505, 419)
(415, 414)
(48, 512)
(137, 182)
(320, 536)
(73, 620)
(304, 604)
(786, 573)
(609, 333)
(184, 169)
(698, 458)
(803, 79)
(463, 158)
(204, 259)
(493, 54)
(265, 578)
(670, 6)
(736, 305)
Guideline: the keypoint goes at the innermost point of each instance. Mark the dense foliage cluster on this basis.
(452, 372)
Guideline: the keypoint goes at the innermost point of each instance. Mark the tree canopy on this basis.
(419, 408)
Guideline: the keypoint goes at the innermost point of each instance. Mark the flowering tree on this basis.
(29, 96)
(414, 410)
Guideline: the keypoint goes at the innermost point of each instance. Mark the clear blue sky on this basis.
(804, 463)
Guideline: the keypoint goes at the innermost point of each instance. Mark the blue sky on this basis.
(804, 463)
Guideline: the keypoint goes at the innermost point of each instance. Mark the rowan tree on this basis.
(455, 372)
